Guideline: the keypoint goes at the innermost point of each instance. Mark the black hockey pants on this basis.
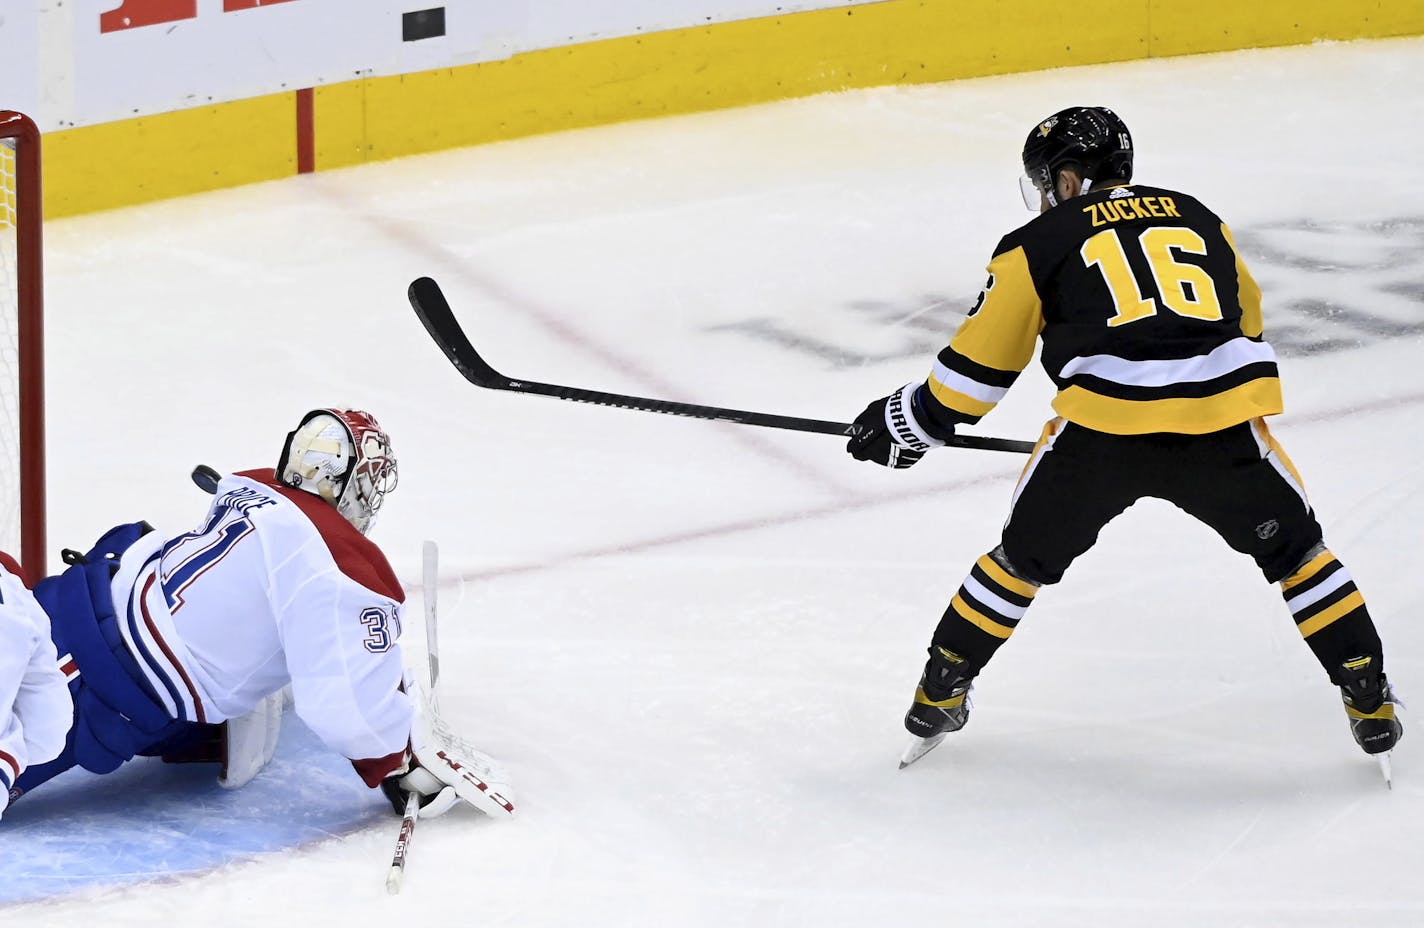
(1238, 481)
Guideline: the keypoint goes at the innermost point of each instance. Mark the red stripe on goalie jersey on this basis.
(168, 651)
(14, 766)
(13, 566)
(355, 555)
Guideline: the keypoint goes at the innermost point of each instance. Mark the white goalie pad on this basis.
(250, 740)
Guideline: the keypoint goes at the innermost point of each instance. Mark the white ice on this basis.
(692, 643)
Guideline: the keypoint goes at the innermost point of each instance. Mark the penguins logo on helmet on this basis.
(1091, 139)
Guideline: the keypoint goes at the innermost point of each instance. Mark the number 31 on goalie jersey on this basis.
(1185, 289)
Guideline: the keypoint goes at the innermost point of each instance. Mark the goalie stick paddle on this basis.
(439, 320)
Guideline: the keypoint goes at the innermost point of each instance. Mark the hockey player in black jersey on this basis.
(1152, 332)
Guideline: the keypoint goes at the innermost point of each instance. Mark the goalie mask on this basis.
(343, 456)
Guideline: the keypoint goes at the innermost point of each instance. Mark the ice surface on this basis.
(691, 643)
(84, 831)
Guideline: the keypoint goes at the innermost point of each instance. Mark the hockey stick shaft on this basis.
(439, 320)
(491, 798)
(429, 586)
(430, 573)
(396, 876)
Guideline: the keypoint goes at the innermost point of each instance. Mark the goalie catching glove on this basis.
(894, 431)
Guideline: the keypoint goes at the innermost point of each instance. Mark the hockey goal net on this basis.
(22, 498)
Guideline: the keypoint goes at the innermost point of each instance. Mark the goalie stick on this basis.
(435, 314)
(429, 586)
(479, 782)
(407, 831)
(429, 582)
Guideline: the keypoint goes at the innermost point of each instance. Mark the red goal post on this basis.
(22, 444)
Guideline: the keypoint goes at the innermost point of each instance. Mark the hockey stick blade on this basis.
(435, 314)
(439, 320)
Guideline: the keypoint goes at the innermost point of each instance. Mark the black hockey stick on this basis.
(435, 313)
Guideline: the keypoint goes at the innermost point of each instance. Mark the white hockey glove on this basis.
(890, 433)
(435, 796)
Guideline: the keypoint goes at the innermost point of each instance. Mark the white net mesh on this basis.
(9, 353)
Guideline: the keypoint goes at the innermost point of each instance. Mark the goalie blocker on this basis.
(443, 769)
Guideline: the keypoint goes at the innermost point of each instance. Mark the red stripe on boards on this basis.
(306, 132)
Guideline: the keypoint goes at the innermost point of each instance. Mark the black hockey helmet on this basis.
(1092, 139)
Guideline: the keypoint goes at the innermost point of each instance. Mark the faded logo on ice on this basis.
(1328, 287)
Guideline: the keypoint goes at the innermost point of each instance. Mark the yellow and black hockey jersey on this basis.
(1149, 319)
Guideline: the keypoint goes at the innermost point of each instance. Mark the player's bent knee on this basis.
(1027, 569)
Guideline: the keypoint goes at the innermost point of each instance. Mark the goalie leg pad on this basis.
(249, 741)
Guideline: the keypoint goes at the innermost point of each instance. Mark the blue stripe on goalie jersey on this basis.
(146, 655)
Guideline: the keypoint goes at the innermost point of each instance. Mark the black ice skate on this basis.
(941, 703)
(1370, 705)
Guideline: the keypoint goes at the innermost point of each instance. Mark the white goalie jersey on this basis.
(35, 708)
(274, 588)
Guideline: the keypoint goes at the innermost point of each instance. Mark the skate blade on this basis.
(1386, 769)
(918, 748)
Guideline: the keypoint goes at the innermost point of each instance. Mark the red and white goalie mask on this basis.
(343, 456)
